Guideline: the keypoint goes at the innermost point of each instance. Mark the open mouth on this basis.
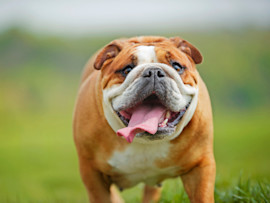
(149, 117)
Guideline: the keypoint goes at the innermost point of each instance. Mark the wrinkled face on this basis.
(149, 91)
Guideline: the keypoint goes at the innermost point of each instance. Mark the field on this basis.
(39, 78)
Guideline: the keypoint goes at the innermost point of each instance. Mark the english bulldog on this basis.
(143, 114)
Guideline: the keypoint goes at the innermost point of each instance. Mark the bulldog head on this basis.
(149, 86)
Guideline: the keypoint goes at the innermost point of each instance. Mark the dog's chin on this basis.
(167, 124)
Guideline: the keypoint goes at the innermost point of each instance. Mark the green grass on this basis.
(38, 161)
(244, 191)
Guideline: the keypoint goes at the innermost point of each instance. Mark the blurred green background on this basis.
(39, 77)
(44, 46)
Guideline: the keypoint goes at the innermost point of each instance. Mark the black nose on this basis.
(154, 72)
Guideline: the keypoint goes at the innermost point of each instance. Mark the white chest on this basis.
(138, 163)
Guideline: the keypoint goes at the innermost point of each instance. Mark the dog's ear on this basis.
(109, 51)
(188, 48)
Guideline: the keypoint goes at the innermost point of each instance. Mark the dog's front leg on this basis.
(151, 194)
(98, 190)
(199, 182)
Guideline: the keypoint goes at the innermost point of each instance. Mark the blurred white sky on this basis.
(70, 17)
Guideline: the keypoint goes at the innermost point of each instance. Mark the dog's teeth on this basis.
(168, 114)
(163, 124)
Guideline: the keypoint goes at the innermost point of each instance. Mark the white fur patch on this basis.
(137, 163)
(146, 54)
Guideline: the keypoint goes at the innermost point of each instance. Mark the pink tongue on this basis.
(145, 117)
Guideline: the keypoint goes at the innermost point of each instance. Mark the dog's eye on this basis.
(180, 69)
(126, 70)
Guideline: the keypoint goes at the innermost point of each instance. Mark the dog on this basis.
(143, 114)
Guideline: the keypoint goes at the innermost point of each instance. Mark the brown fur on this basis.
(96, 141)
